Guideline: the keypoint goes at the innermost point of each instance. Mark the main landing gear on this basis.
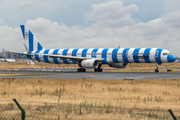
(156, 69)
(84, 70)
(81, 70)
(98, 70)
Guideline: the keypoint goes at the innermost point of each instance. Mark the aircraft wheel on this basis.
(98, 70)
(81, 70)
(156, 68)
(156, 71)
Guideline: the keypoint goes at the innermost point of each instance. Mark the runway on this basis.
(93, 75)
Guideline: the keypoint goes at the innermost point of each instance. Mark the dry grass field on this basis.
(140, 93)
(145, 94)
(151, 94)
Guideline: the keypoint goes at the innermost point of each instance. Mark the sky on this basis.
(92, 23)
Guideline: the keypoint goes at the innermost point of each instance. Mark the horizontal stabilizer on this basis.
(30, 54)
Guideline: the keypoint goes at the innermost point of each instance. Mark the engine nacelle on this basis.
(118, 65)
(89, 63)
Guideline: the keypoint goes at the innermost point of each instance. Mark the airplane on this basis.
(8, 60)
(93, 57)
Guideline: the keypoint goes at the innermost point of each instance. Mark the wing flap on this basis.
(74, 58)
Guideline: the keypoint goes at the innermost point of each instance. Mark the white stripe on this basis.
(79, 52)
(99, 53)
(33, 57)
(69, 53)
(164, 57)
(141, 53)
(26, 30)
(50, 53)
(109, 56)
(119, 55)
(35, 43)
(89, 52)
(60, 53)
(41, 55)
(130, 55)
(152, 55)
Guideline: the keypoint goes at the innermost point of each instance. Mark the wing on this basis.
(74, 58)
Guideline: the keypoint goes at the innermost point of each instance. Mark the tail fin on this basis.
(31, 42)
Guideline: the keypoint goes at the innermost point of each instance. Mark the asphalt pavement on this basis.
(93, 75)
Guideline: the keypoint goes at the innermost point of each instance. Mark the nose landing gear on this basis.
(156, 69)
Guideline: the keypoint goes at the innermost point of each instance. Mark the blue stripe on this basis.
(158, 59)
(74, 53)
(104, 55)
(74, 62)
(147, 55)
(39, 46)
(28, 56)
(22, 29)
(124, 55)
(114, 55)
(84, 52)
(55, 52)
(30, 41)
(37, 56)
(65, 53)
(135, 55)
(93, 54)
(46, 57)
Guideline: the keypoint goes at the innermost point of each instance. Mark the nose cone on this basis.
(171, 58)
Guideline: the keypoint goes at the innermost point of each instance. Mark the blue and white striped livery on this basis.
(93, 57)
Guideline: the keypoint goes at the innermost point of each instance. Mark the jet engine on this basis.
(89, 63)
(118, 65)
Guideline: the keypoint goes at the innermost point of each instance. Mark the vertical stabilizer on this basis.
(31, 43)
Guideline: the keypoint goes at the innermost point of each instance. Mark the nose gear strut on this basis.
(156, 69)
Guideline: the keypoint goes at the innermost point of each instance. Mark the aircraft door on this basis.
(127, 54)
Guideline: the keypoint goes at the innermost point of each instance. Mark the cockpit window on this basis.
(166, 53)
